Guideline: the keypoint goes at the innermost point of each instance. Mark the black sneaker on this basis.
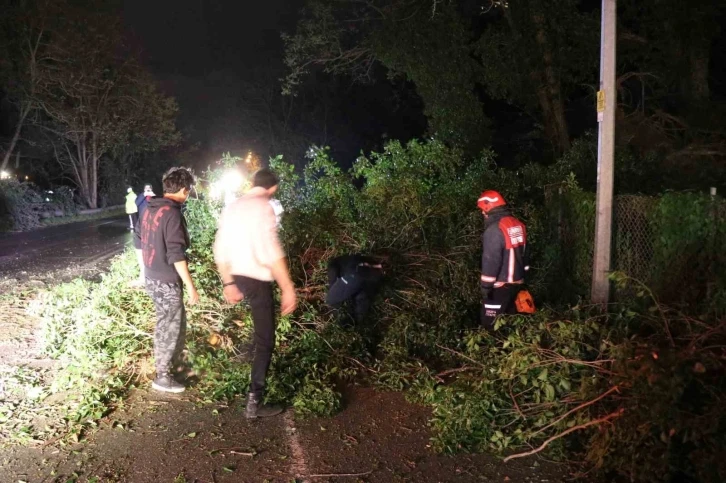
(166, 383)
(255, 409)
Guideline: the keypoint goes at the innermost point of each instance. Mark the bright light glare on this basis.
(227, 186)
(4, 175)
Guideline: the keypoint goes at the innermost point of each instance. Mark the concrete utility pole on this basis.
(606, 102)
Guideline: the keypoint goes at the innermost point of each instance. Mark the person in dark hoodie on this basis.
(164, 241)
(141, 203)
(504, 257)
(353, 278)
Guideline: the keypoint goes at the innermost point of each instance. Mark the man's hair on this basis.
(178, 178)
(265, 178)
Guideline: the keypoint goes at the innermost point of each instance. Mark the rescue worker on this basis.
(355, 278)
(504, 258)
(131, 208)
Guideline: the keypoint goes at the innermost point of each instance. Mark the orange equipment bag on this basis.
(525, 303)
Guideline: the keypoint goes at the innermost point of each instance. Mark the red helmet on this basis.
(489, 200)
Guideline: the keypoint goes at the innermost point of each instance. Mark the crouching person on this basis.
(249, 257)
(164, 241)
(353, 278)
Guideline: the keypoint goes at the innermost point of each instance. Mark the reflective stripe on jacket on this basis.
(504, 244)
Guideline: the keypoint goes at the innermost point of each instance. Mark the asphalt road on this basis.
(71, 246)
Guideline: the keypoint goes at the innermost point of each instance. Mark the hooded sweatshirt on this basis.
(164, 239)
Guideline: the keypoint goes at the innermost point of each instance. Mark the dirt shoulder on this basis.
(378, 437)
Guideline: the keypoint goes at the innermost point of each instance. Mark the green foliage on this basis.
(21, 204)
(18, 203)
(634, 391)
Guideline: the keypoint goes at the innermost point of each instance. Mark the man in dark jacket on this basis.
(164, 241)
(504, 257)
(355, 278)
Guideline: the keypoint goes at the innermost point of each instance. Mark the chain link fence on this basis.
(674, 243)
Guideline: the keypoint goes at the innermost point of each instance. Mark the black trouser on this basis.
(498, 301)
(356, 290)
(258, 294)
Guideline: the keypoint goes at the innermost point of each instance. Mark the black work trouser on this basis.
(258, 294)
(497, 302)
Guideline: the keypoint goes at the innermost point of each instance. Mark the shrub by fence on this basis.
(673, 243)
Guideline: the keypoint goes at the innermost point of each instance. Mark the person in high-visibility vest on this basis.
(131, 208)
(504, 257)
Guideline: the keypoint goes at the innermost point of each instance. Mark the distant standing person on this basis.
(131, 208)
(504, 257)
(249, 256)
(141, 202)
(355, 278)
(164, 241)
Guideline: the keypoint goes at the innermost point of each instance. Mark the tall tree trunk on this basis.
(698, 60)
(549, 91)
(24, 110)
(94, 173)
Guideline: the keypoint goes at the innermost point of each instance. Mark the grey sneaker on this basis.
(166, 383)
(255, 409)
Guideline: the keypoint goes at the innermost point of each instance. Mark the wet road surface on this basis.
(74, 245)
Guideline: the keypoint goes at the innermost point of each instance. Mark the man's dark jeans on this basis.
(258, 294)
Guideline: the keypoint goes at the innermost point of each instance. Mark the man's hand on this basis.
(192, 295)
(232, 294)
(288, 301)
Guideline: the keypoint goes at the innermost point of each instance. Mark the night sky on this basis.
(195, 37)
(199, 53)
(199, 49)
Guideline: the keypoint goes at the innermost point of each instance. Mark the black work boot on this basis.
(164, 382)
(255, 409)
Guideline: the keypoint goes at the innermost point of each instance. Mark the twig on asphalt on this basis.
(251, 455)
(336, 475)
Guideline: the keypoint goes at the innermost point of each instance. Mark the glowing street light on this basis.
(4, 175)
(227, 186)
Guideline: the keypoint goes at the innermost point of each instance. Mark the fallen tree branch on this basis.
(514, 400)
(604, 419)
(453, 371)
(581, 406)
(460, 355)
